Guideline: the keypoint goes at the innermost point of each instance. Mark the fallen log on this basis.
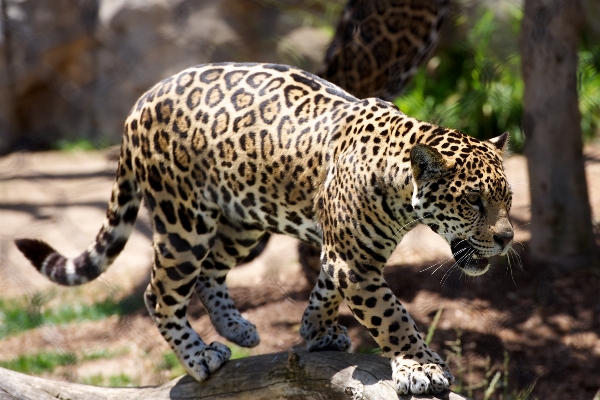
(296, 374)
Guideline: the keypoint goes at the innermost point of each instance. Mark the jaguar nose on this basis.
(504, 238)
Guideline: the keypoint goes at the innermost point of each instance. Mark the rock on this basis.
(143, 41)
(72, 69)
(47, 50)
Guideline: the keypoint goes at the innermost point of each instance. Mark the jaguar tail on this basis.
(116, 229)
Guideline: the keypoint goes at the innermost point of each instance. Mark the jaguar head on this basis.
(461, 192)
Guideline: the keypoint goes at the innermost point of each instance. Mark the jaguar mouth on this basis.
(468, 258)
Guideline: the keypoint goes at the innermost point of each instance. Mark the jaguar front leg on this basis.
(226, 318)
(416, 368)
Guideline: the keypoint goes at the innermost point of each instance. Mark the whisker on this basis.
(468, 254)
(456, 264)
(441, 263)
(462, 240)
(447, 274)
(463, 250)
(509, 268)
(516, 253)
(408, 223)
(482, 277)
(447, 259)
(434, 265)
(518, 256)
(520, 244)
(523, 247)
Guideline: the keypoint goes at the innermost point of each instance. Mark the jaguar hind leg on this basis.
(231, 246)
(198, 358)
(319, 322)
(178, 255)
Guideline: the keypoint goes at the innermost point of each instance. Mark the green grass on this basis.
(494, 381)
(170, 363)
(39, 363)
(120, 380)
(433, 326)
(48, 361)
(18, 315)
(238, 352)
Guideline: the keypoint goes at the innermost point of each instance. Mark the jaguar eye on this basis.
(474, 198)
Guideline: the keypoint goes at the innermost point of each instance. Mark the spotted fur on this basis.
(224, 153)
(379, 44)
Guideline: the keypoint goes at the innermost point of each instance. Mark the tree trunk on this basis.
(8, 121)
(295, 375)
(561, 227)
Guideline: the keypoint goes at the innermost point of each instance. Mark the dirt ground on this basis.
(547, 323)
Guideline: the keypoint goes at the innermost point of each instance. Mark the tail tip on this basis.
(36, 251)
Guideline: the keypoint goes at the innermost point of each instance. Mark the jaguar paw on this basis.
(332, 337)
(239, 331)
(206, 360)
(411, 377)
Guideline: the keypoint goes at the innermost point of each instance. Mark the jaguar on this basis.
(223, 153)
(379, 44)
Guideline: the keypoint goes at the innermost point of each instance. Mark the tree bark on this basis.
(8, 121)
(561, 227)
(296, 374)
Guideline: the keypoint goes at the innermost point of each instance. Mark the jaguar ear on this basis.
(500, 141)
(427, 163)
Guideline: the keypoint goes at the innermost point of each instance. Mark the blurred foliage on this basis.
(80, 144)
(589, 90)
(19, 315)
(39, 363)
(474, 83)
(120, 380)
(171, 364)
(238, 351)
(48, 361)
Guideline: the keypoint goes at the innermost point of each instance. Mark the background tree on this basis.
(561, 227)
